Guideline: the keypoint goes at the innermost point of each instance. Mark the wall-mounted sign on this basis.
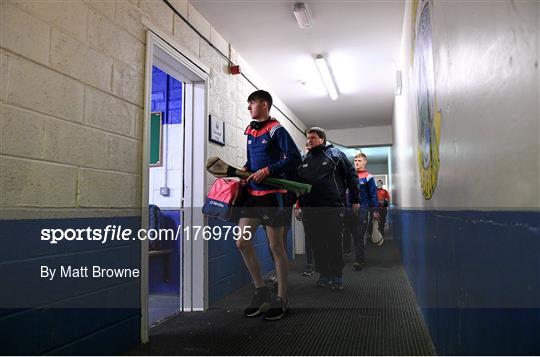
(156, 137)
(216, 129)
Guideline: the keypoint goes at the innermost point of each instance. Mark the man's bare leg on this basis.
(246, 249)
(275, 239)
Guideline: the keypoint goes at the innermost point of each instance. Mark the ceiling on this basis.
(360, 39)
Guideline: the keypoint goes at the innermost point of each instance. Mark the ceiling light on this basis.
(302, 15)
(326, 76)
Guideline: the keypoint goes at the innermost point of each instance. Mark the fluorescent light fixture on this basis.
(302, 15)
(348, 67)
(326, 76)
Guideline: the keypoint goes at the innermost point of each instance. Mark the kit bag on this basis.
(376, 236)
(223, 198)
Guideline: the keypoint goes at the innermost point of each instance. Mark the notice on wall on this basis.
(217, 130)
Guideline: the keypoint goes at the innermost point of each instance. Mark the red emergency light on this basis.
(234, 69)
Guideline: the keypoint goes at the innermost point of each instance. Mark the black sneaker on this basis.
(308, 271)
(347, 253)
(271, 279)
(337, 284)
(260, 303)
(357, 266)
(278, 309)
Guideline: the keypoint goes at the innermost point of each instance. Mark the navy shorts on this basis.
(272, 209)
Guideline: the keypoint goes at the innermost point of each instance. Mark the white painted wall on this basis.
(368, 136)
(170, 174)
(487, 82)
(376, 168)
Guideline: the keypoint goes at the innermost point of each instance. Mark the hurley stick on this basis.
(220, 168)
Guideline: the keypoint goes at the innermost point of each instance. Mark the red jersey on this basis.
(382, 195)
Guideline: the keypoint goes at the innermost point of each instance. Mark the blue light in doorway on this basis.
(166, 96)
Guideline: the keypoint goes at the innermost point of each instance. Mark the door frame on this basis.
(163, 51)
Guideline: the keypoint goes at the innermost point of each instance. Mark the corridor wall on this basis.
(466, 172)
(71, 102)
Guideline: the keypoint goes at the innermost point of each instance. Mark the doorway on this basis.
(173, 269)
(166, 195)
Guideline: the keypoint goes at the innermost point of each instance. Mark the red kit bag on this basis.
(223, 197)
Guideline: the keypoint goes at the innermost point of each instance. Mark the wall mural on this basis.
(427, 110)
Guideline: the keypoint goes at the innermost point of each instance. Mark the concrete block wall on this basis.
(67, 110)
(71, 107)
(71, 119)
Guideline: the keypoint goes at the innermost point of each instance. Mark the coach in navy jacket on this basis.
(330, 173)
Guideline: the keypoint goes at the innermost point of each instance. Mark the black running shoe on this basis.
(308, 271)
(278, 309)
(337, 284)
(271, 279)
(358, 266)
(260, 303)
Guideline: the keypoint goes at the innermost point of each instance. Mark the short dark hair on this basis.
(261, 95)
(319, 131)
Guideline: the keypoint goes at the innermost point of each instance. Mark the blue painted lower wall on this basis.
(476, 276)
(227, 271)
(170, 219)
(70, 315)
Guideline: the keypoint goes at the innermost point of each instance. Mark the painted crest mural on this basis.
(427, 111)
